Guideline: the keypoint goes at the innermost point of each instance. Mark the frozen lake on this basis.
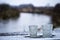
(23, 22)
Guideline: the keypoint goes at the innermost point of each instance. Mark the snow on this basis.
(19, 37)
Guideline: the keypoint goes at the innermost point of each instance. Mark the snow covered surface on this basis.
(56, 32)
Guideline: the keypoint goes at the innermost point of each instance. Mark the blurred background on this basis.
(17, 15)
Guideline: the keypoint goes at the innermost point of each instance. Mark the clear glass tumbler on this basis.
(47, 30)
(33, 30)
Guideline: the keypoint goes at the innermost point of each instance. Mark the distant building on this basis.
(26, 7)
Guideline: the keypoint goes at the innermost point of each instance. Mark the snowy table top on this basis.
(19, 37)
(22, 37)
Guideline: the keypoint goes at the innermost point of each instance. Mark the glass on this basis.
(33, 30)
(47, 30)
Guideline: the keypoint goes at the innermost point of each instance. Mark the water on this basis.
(23, 22)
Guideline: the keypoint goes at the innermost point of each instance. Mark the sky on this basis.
(34, 2)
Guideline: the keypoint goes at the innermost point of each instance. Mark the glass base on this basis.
(40, 36)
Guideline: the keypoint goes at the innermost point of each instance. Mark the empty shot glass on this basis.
(33, 30)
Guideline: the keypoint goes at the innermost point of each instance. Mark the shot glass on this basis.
(47, 30)
(33, 30)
